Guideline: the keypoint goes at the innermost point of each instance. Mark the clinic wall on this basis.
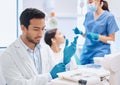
(8, 22)
(34, 4)
(66, 13)
(114, 7)
(68, 16)
(68, 6)
(61, 7)
(115, 10)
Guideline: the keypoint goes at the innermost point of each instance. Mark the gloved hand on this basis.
(60, 67)
(92, 36)
(77, 31)
(69, 51)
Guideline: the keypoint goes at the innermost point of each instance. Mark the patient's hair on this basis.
(49, 35)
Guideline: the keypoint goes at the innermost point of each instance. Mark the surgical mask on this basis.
(92, 7)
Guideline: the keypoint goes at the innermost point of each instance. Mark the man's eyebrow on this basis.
(36, 27)
(39, 27)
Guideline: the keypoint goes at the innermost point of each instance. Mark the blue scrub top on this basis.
(104, 25)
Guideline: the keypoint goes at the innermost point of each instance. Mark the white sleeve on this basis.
(14, 75)
(72, 64)
(2, 80)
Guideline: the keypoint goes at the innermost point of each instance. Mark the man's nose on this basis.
(41, 32)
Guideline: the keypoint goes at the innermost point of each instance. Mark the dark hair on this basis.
(105, 5)
(29, 14)
(49, 35)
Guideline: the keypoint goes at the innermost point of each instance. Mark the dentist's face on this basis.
(35, 30)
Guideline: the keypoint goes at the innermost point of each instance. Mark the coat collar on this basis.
(24, 56)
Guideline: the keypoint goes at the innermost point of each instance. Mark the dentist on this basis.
(26, 61)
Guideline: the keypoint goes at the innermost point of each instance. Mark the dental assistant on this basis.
(100, 28)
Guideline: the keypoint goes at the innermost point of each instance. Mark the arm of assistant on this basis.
(106, 39)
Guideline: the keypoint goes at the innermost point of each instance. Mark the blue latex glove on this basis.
(60, 67)
(69, 51)
(77, 31)
(92, 36)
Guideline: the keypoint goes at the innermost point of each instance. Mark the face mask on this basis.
(92, 7)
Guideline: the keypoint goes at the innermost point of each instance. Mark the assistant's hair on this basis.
(49, 35)
(104, 5)
(29, 14)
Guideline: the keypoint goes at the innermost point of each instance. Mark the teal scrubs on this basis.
(104, 25)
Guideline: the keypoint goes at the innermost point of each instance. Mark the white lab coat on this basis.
(112, 62)
(18, 68)
(2, 80)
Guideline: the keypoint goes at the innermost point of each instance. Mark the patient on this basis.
(55, 39)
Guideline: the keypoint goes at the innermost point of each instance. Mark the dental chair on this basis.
(112, 63)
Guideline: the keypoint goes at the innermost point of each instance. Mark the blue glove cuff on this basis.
(92, 36)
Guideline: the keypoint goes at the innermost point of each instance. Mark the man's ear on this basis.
(53, 40)
(23, 28)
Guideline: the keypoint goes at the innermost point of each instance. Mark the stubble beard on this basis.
(31, 40)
